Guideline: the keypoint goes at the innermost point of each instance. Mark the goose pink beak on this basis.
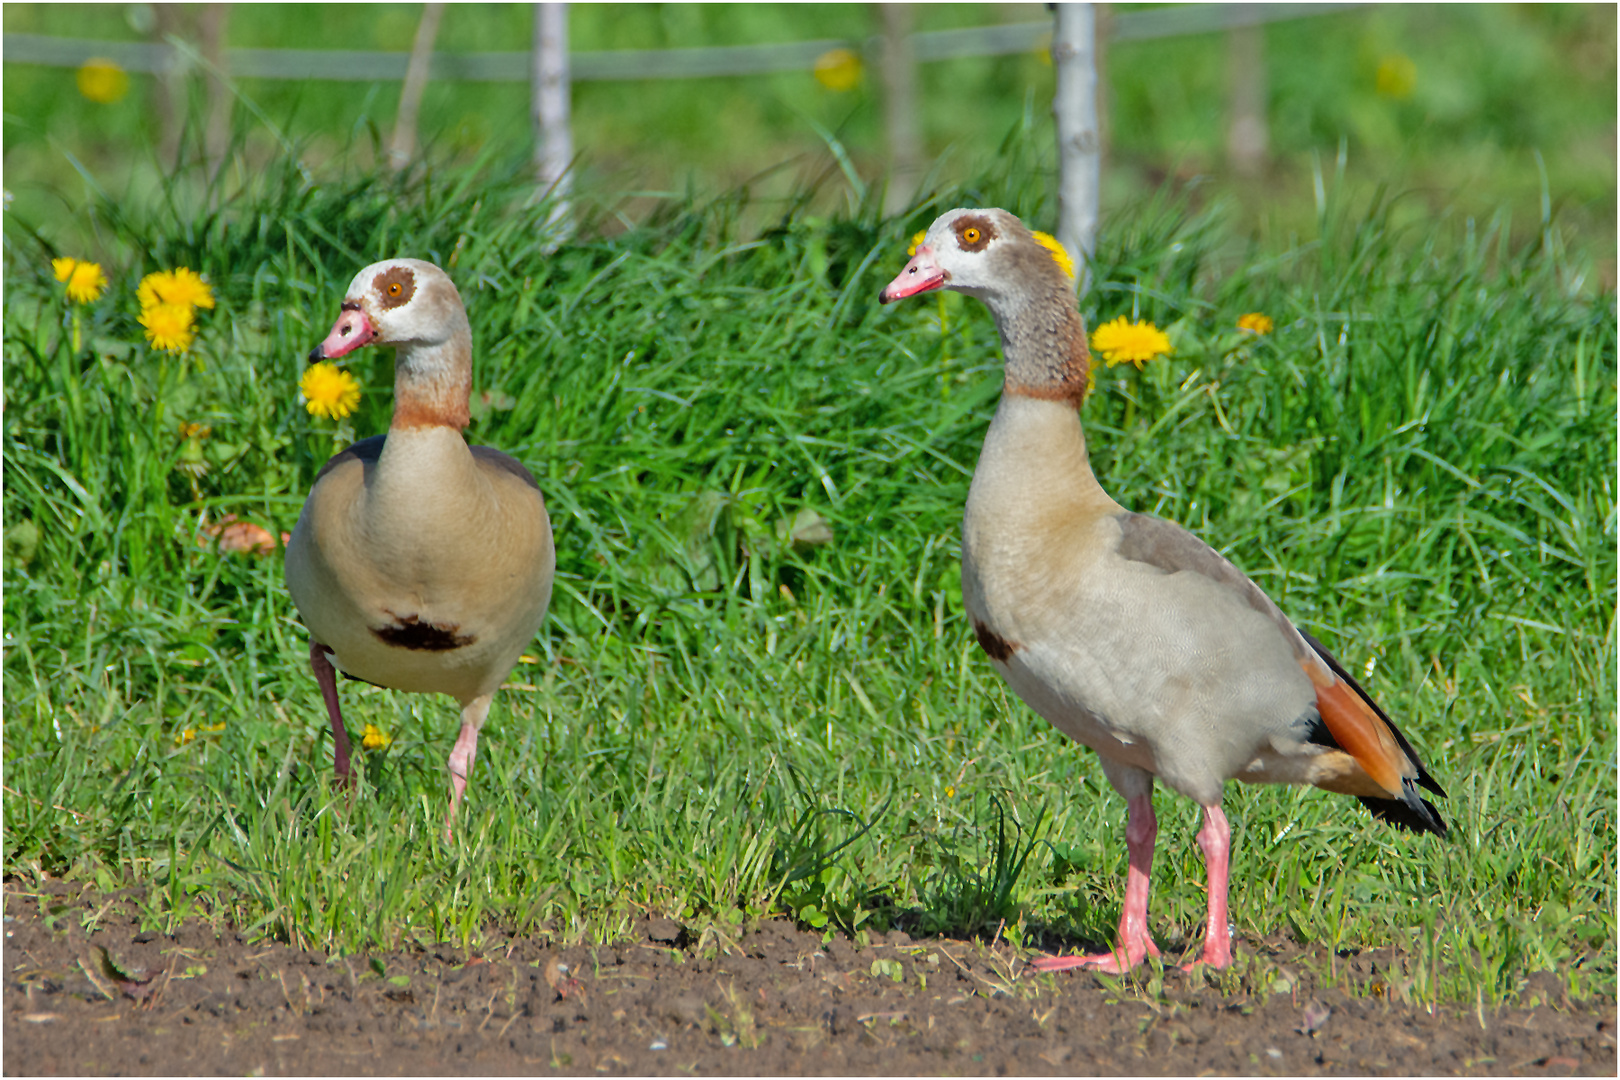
(922, 274)
(351, 331)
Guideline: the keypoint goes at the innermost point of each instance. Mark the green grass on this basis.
(1418, 464)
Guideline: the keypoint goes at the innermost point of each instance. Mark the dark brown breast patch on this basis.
(410, 632)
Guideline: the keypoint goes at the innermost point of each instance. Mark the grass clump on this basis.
(756, 691)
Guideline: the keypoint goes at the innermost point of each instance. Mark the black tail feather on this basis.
(1413, 813)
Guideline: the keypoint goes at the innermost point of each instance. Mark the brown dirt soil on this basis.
(87, 992)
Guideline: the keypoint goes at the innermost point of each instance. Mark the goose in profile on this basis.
(1125, 631)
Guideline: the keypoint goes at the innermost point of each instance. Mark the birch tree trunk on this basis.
(900, 107)
(403, 145)
(552, 87)
(217, 138)
(1074, 107)
(171, 89)
(1247, 137)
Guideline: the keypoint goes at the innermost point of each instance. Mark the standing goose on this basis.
(419, 563)
(1127, 632)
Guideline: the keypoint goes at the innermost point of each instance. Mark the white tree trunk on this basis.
(217, 137)
(1074, 106)
(171, 92)
(900, 107)
(403, 144)
(552, 86)
(1247, 137)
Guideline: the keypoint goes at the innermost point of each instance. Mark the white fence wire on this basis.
(344, 65)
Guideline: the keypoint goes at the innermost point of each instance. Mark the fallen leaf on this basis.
(806, 527)
(234, 536)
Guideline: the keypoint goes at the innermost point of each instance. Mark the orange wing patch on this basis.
(1358, 730)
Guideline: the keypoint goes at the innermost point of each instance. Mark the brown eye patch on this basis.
(973, 232)
(395, 286)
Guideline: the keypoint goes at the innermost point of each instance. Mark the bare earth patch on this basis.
(87, 992)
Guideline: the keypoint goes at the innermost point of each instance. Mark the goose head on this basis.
(405, 302)
(1026, 279)
(987, 254)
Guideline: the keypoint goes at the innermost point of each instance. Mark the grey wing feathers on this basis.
(1169, 547)
(505, 462)
(366, 450)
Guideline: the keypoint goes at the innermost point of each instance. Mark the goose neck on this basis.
(433, 383)
(1043, 340)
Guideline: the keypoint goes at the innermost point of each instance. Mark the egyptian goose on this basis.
(419, 563)
(1129, 634)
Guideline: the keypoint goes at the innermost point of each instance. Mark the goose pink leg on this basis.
(462, 755)
(1216, 840)
(326, 678)
(1133, 944)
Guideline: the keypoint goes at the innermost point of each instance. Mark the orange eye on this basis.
(393, 290)
(970, 235)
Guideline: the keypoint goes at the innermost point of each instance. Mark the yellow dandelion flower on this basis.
(950, 791)
(329, 391)
(916, 242)
(192, 733)
(84, 280)
(147, 293)
(838, 69)
(1122, 342)
(1396, 77)
(375, 738)
(181, 286)
(102, 80)
(1060, 254)
(168, 326)
(190, 288)
(1255, 323)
